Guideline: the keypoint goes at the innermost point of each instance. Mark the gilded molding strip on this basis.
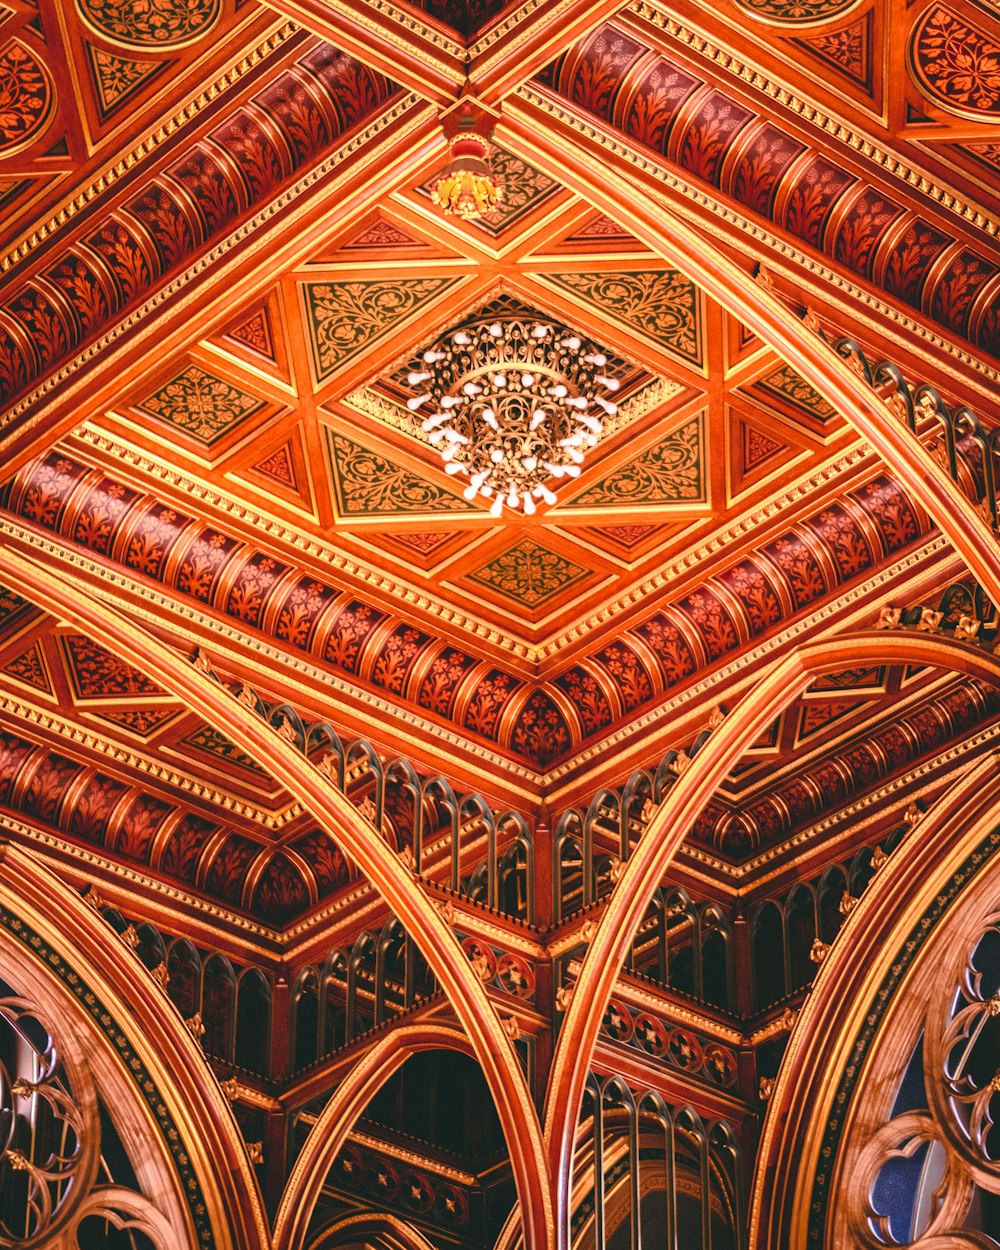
(505, 33)
(106, 179)
(85, 856)
(242, 233)
(780, 247)
(270, 656)
(735, 675)
(70, 731)
(114, 445)
(677, 1013)
(412, 1158)
(873, 799)
(811, 112)
(450, 47)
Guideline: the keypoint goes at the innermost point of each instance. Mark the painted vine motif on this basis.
(956, 64)
(200, 404)
(25, 94)
(672, 471)
(367, 484)
(151, 23)
(344, 317)
(661, 304)
(116, 79)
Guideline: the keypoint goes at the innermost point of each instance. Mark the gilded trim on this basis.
(938, 345)
(809, 111)
(103, 181)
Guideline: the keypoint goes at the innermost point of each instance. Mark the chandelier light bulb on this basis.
(515, 405)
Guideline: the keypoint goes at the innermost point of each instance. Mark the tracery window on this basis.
(924, 1170)
(66, 1181)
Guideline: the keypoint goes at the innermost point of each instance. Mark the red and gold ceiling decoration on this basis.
(221, 259)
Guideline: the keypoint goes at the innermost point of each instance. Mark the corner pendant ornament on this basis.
(467, 187)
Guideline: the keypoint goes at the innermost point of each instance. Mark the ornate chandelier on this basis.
(513, 404)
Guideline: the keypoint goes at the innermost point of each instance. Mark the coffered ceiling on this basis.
(220, 256)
